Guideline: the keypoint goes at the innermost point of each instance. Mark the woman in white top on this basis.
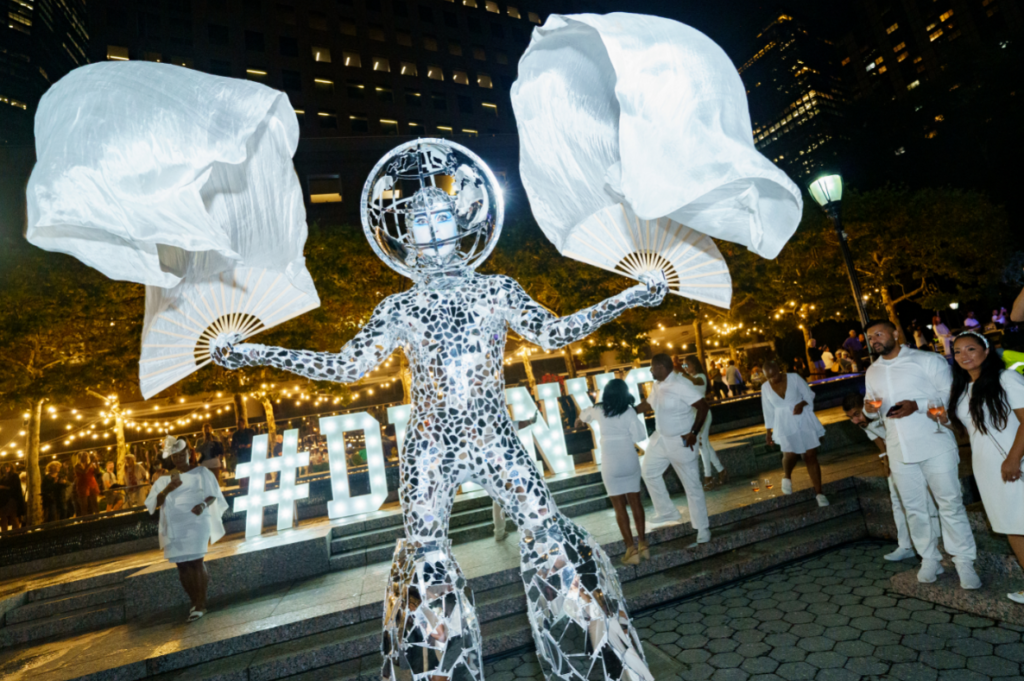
(788, 405)
(693, 370)
(191, 505)
(827, 358)
(988, 402)
(620, 465)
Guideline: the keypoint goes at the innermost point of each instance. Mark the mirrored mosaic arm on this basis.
(372, 345)
(537, 325)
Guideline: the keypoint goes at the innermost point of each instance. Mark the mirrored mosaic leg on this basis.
(431, 632)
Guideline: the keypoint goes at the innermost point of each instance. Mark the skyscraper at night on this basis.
(795, 95)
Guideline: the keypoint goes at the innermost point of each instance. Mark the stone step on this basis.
(989, 601)
(65, 588)
(35, 610)
(748, 542)
(63, 624)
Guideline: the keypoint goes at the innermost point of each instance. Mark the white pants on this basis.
(938, 474)
(707, 453)
(900, 517)
(499, 518)
(670, 451)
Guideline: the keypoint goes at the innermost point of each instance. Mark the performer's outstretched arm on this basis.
(371, 346)
(537, 325)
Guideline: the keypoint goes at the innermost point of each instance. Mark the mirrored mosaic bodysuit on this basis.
(452, 329)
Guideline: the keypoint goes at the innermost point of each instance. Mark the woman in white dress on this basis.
(988, 402)
(788, 405)
(191, 506)
(693, 370)
(620, 464)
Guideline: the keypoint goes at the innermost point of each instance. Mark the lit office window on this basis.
(324, 188)
(413, 98)
(946, 15)
(469, 3)
(323, 85)
(533, 17)
(258, 75)
(460, 77)
(328, 118)
(117, 53)
(932, 37)
(483, 80)
(471, 133)
(913, 85)
(435, 73)
(902, 56)
(478, 53)
(454, 48)
(352, 59)
(388, 127)
(514, 13)
(359, 123)
(415, 127)
(492, 6)
(381, 64)
(384, 94)
(355, 89)
(409, 69)
(444, 129)
(899, 47)
(490, 108)
(322, 54)
(892, 28)
(151, 56)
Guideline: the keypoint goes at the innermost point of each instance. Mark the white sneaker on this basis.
(899, 554)
(822, 500)
(969, 579)
(500, 533)
(703, 537)
(787, 486)
(658, 520)
(1016, 597)
(930, 569)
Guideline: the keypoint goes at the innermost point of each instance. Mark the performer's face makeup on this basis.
(434, 225)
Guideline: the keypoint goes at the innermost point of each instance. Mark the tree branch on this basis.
(905, 296)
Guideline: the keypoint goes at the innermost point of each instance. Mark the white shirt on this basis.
(672, 400)
(828, 358)
(875, 430)
(917, 376)
(624, 429)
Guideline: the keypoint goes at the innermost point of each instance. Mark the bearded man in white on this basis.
(679, 413)
(921, 457)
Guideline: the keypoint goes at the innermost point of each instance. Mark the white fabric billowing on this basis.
(1004, 501)
(182, 181)
(620, 464)
(794, 434)
(641, 110)
(183, 534)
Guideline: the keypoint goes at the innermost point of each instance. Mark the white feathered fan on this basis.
(184, 182)
(635, 140)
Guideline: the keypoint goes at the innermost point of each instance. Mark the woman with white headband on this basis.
(987, 401)
(191, 506)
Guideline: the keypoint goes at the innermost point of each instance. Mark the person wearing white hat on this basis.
(191, 505)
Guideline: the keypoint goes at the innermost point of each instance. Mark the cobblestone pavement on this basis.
(829, 618)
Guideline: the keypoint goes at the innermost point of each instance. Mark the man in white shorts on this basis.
(679, 412)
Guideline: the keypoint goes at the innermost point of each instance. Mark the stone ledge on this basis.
(989, 601)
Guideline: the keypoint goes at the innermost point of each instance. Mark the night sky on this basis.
(734, 24)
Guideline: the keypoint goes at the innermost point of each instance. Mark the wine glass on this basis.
(873, 399)
(755, 486)
(937, 408)
(768, 483)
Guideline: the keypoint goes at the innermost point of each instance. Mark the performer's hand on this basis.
(657, 288)
(228, 353)
(689, 440)
(903, 409)
(768, 439)
(1011, 469)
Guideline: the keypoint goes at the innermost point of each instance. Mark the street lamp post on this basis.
(827, 190)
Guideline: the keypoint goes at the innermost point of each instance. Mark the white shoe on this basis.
(969, 579)
(930, 569)
(1016, 597)
(658, 520)
(822, 500)
(703, 537)
(899, 554)
(787, 486)
(500, 533)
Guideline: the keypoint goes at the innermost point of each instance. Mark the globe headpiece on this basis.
(432, 206)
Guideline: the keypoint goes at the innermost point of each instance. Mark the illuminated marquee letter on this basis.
(548, 435)
(577, 389)
(287, 493)
(343, 504)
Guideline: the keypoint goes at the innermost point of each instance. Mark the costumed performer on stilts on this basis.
(191, 505)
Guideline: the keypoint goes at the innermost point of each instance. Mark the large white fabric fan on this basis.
(649, 115)
(184, 182)
(616, 239)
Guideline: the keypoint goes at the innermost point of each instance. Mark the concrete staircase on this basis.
(64, 609)
(345, 644)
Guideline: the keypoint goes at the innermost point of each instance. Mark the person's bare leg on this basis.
(813, 469)
(1017, 544)
(622, 518)
(203, 581)
(639, 519)
(788, 464)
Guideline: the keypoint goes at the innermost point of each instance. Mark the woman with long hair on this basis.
(619, 429)
(987, 401)
(694, 372)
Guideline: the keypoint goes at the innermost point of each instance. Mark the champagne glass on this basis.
(768, 483)
(873, 399)
(755, 486)
(937, 408)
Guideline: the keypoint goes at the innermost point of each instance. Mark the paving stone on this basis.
(949, 631)
(753, 649)
(868, 591)
(690, 628)
(904, 627)
(774, 627)
(781, 640)
(972, 621)
(912, 671)
(744, 624)
(880, 602)
(943, 659)
(971, 647)
(997, 635)
(666, 637)
(829, 619)
(716, 620)
(692, 641)
(799, 617)
(726, 660)
(796, 671)
(914, 604)
(670, 649)
(961, 675)
(528, 669)
(810, 629)
(664, 625)
(788, 654)
(759, 665)
(892, 614)
(749, 636)
(993, 666)
(847, 599)
(1011, 651)
(722, 645)
(843, 633)
(730, 675)
(854, 648)
(737, 613)
(881, 637)
(867, 666)
(836, 675)
(814, 644)
(923, 642)
(698, 672)
(826, 660)
(930, 617)
(896, 653)
(815, 598)
(693, 657)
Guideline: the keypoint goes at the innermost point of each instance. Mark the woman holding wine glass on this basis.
(987, 401)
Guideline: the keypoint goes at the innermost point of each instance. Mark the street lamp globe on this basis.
(827, 189)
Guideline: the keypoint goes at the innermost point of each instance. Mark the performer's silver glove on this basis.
(227, 352)
(656, 289)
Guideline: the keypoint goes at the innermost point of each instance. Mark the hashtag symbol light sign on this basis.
(287, 492)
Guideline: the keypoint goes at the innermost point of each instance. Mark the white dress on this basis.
(1004, 501)
(185, 536)
(795, 434)
(620, 463)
